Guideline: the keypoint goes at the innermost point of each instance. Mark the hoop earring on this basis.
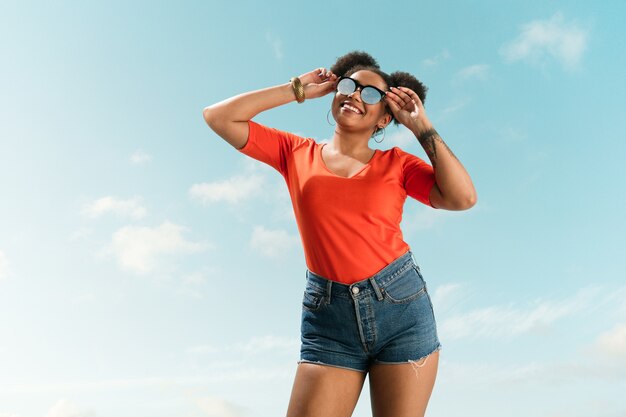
(327, 114)
(378, 130)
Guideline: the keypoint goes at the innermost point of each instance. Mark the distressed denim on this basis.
(386, 318)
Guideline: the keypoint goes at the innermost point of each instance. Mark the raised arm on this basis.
(229, 118)
(453, 189)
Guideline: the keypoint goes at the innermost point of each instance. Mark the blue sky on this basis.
(149, 269)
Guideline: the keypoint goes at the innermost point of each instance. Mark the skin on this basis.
(453, 189)
(398, 390)
(349, 148)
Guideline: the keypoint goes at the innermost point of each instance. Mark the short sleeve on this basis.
(268, 145)
(419, 177)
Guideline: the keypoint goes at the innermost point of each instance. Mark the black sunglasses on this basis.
(369, 93)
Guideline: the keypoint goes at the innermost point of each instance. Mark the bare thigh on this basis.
(403, 390)
(320, 390)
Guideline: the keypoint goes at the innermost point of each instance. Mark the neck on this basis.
(350, 143)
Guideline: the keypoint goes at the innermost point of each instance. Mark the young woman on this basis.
(366, 307)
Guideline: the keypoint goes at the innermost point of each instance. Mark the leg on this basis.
(403, 390)
(328, 391)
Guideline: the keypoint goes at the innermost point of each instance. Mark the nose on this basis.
(358, 90)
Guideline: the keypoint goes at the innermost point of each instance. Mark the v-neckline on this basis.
(341, 176)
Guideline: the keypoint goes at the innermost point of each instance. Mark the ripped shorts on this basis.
(386, 318)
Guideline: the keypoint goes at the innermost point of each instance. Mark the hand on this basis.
(407, 108)
(318, 82)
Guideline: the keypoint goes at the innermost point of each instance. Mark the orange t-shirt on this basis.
(350, 227)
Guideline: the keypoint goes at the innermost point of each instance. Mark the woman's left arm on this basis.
(453, 189)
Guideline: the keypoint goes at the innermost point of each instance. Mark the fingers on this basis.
(408, 92)
(398, 97)
(401, 93)
(325, 74)
(318, 76)
(392, 102)
(413, 97)
(319, 89)
(403, 96)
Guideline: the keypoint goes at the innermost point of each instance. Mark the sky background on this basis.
(148, 269)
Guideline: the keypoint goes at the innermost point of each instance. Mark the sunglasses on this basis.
(369, 93)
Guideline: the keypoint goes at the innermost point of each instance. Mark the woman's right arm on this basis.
(229, 118)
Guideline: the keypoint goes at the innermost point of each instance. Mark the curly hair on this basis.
(354, 61)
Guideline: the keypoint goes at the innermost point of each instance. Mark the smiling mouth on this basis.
(351, 108)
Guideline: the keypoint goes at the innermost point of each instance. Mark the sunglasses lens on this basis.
(370, 95)
(346, 86)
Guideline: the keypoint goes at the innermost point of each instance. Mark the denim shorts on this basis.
(387, 318)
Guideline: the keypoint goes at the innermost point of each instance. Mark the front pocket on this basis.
(312, 298)
(405, 288)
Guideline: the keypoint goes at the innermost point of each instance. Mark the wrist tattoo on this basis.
(429, 140)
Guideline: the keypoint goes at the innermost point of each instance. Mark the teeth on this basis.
(354, 109)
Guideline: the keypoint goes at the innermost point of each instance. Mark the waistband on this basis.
(367, 286)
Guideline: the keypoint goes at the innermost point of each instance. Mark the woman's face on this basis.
(351, 111)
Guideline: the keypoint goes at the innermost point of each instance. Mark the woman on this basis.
(366, 307)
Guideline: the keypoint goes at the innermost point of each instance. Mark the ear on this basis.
(384, 121)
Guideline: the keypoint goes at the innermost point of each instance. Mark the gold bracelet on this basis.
(298, 89)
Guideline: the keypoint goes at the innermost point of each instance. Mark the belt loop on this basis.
(379, 295)
(329, 286)
(415, 261)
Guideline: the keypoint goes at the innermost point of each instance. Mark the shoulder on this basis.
(406, 157)
(294, 139)
(406, 162)
(394, 155)
(394, 152)
(399, 153)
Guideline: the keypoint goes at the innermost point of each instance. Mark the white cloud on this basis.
(203, 350)
(270, 342)
(276, 44)
(87, 298)
(454, 107)
(613, 342)
(272, 243)
(4, 265)
(139, 249)
(507, 321)
(510, 135)
(446, 295)
(401, 137)
(132, 208)
(478, 72)
(533, 373)
(194, 283)
(564, 41)
(139, 157)
(217, 407)
(219, 371)
(435, 60)
(422, 217)
(255, 345)
(233, 190)
(248, 373)
(618, 297)
(65, 408)
(80, 234)
(196, 278)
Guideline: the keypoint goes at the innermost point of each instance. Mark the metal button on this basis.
(355, 290)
